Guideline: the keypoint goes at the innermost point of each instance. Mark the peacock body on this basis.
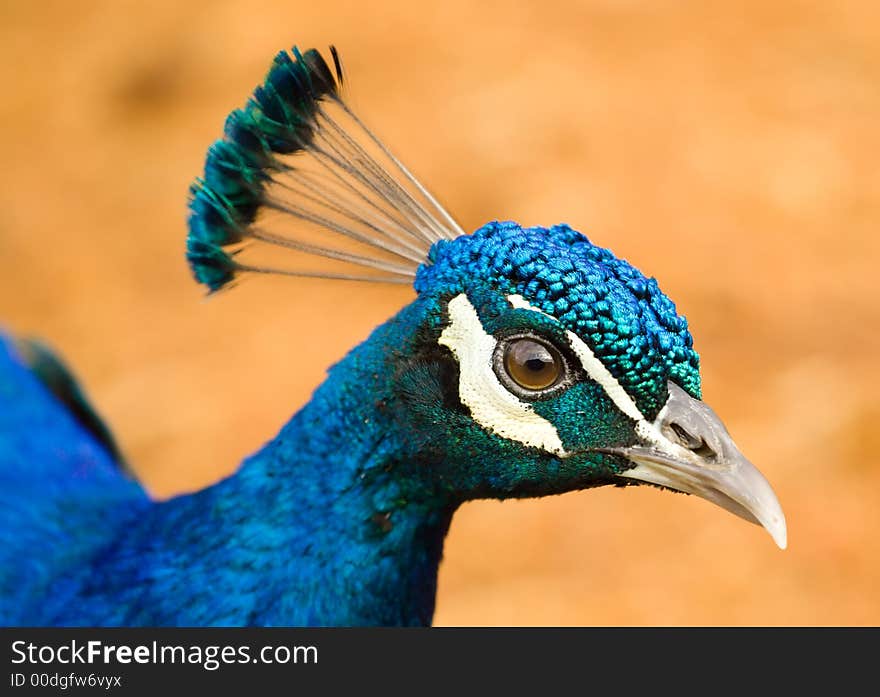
(531, 362)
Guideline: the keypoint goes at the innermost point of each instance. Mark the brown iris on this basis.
(531, 364)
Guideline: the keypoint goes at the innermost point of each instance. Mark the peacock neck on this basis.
(332, 521)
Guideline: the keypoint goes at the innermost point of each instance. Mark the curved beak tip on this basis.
(753, 497)
(778, 530)
(725, 477)
(782, 539)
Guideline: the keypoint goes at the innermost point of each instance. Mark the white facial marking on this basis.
(596, 370)
(518, 302)
(594, 367)
(599, 373)
(491, 404)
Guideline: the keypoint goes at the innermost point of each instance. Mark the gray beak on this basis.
(688, 449)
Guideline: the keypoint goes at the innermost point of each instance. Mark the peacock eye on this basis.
(531, 364)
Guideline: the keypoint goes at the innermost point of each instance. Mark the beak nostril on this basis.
(696, 444)
(683, 436)
(704, 451)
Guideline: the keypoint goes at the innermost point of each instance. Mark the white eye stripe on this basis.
(599, 373)
(490, 403)
(596, 370)
(518, 302)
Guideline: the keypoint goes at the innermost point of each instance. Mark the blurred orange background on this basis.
(730, 150)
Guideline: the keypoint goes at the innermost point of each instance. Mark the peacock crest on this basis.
(297, 169)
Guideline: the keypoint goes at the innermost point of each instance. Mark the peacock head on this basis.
(541, 363)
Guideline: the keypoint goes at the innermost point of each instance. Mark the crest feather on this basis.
(297, 170)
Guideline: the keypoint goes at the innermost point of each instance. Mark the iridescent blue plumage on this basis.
(531, 362)
(61, 493)
(630, 324)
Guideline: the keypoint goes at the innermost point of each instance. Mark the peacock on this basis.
(531, 362)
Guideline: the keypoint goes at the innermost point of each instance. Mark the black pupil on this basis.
(537, 364)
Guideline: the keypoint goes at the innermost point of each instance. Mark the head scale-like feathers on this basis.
(630, 324)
